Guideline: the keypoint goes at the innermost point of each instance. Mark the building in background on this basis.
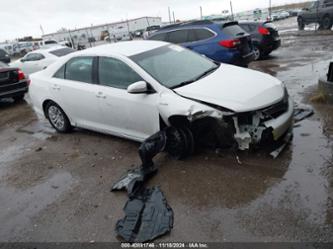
(116, 31)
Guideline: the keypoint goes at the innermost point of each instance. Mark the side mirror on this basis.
(22, 60)
(138, 87)
(305, 9)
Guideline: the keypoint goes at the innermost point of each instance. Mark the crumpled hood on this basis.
(235, 88)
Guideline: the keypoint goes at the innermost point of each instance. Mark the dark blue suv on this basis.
(221, 41)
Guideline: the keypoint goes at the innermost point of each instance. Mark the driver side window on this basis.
(115, 73)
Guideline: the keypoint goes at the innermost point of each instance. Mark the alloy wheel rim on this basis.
(256, 53)
(56, 117)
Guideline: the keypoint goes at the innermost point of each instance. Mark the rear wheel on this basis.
(57, 118)
(326, 23)
(257, 52)
(301, 24)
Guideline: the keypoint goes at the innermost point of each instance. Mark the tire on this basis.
(180, 143)
(57, 118)
(18, 98)
(257, 53)
(301, 24)
(326, 23)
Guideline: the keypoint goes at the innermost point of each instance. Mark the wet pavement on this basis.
(56, 187)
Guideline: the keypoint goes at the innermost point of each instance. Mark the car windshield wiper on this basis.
(209, 71)
(184, 83)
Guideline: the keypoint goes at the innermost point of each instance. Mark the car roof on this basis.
(126, 48)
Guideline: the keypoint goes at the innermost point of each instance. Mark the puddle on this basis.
(39, 129)
(18, 207)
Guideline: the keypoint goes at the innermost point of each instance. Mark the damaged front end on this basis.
(264, 126)
(224, 128)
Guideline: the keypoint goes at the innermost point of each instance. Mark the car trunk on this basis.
(237, 33)
(9, 80)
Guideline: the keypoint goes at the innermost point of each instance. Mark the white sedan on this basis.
(135, 89)
(40, 59)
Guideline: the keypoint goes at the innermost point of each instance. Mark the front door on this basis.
(130, 115)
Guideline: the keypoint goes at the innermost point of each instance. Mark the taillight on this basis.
(229, 43)
(21, 75)
(263, 30)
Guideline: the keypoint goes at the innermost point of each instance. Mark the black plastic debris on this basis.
(178, 142)
(147, 216)
(133, 181)
(286, 141)
(302, 113)
(330, 73)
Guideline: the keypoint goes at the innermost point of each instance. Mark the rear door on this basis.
(73, 88)
(130, 115)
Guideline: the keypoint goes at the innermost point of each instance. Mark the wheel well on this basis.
(326, 15)
(45, 103)
(179, 121)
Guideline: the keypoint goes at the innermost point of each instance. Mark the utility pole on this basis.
(232, 11)
(169, 15)
(270, 10)
(200, 12)
(174, 19)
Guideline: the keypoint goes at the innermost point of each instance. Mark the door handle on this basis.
(101, 95)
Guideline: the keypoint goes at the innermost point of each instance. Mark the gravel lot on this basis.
(56, 187)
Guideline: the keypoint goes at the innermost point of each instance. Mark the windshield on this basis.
(174, 66)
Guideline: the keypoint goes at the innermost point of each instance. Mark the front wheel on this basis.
(301, 24)
(57, 118)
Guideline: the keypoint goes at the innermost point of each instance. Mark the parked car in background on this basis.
(284, 14)
(41, 58)
(320, 12)
(13, 82)
(265, 37)
(220, 41)
(294, 12)
(4, 56)
(135, 89)
(150, 30)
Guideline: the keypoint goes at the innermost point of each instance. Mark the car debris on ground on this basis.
(302, 113)
(148, 216)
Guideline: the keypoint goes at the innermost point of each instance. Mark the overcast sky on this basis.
(23, 17)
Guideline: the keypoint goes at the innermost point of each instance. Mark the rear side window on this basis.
(60, 74)
(159, 37)
(79, 69)
(115, 73)
(328, 3)
(178, 36)
(62, 52)
(199, 34)
(233, 30)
